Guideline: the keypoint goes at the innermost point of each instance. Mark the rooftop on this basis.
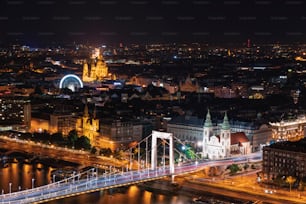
(188, 121)
(296, 146)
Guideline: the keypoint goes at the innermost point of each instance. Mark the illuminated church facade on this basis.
(88, 125)
(223, 143)
(96, 69)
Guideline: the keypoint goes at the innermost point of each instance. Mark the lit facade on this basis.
(120, 133)
(88, 126)
(189, 86)
(213, 140)
(258, 134)
(291, 130)
(96, 69)
(62, 123)
(222, 143)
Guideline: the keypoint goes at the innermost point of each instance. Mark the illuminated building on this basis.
(223, 143)
(96, 69)
(88, 125)
(63, 123)
(120, 132)
(216, 141)
(39, 125)
(258, 133)
(15, 113)
(108, 133)
(189, 86)
(291, 130)
(285, 159)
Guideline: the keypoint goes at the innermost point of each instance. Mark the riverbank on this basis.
(237, 189)
(244, 187)
(167, 188)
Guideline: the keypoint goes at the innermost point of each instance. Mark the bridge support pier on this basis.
(172, 178)
(162, 135)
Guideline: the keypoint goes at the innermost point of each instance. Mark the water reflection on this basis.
(133, 195)
(21, 174)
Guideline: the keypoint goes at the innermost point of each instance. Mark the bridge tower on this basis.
(166, 136)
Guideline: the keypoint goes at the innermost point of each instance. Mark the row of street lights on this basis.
(19, 187)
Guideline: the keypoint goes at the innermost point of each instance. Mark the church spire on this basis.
(225, 124)
(208, 122)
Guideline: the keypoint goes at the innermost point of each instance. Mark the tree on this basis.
(57, 137)
(246, 166)
(105, 152)
(290, 180)
(72, 137)
(234, 168)
(94, 150)
(83, 142)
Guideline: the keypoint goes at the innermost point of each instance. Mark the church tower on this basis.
(90, 125)
(208, 132)
(225, 136)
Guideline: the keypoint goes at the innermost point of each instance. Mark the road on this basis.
(42, 150)
(244, 187)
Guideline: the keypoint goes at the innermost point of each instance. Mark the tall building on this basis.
(96, 69)
(15, 113)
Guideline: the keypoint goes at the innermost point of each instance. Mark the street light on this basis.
(199, 145)
(73, 176)
(10, 185)
(33, 182)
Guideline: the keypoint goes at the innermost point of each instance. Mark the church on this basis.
(96, 69)
(213, 141)
(88, 125)
(224, 144)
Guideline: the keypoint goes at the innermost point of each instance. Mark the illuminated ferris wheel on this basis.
(72, 82)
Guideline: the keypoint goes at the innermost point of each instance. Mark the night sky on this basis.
(146, 21)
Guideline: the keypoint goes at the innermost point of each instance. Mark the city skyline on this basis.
(112, 21)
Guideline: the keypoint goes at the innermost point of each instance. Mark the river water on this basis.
(23, 176)
(19, 175)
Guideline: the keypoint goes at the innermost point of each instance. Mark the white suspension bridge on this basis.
(94, 179)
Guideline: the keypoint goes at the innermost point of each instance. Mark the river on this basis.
(18, 175)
